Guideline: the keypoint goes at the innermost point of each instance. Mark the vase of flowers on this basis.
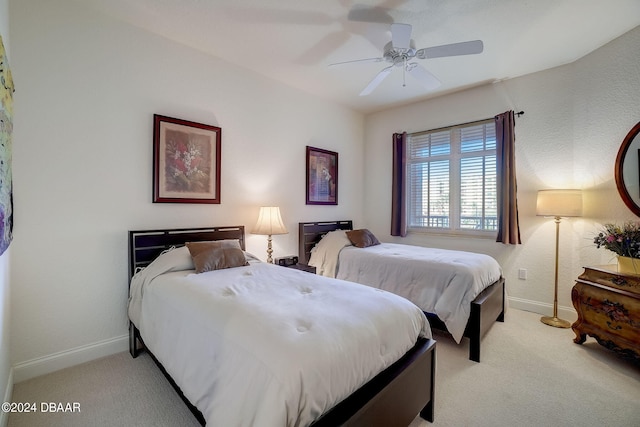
(624, 241)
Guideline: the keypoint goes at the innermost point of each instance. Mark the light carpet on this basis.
(530, 375)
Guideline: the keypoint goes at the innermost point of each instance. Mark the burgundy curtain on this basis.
(508, 226)
(398, 194)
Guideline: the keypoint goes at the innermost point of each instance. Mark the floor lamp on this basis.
(269, 223)
(558, 204)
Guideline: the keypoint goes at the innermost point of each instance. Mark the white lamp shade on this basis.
(559, 203)
(269, 221)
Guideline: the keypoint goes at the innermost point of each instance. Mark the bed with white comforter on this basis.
(439, 281)
(266, 345)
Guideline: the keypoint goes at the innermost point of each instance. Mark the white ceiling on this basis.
(293, 41)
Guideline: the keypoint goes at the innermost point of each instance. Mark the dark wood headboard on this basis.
(146, 245)
(310, 233)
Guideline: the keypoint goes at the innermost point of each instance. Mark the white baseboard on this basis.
(567, 313)
(43, 365)
(4, 416)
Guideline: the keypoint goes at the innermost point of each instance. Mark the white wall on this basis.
(87, 89)
(576, 117)
(6, 381)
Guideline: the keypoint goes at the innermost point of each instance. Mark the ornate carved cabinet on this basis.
(608, 306)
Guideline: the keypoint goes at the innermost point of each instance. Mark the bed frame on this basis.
(392, 398)
(487, 308)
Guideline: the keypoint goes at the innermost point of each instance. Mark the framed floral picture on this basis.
(322, 177)
(186, 161)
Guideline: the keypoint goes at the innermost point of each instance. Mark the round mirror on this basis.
(628, 170)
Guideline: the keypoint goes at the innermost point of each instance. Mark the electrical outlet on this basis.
(522, 273)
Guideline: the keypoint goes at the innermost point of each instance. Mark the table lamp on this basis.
(269, 223)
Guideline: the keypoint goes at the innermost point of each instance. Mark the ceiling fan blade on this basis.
(358, 60)
(421, 74)
(401, 36)
(376, 15)
(323, 48)
(454, 49)
(380, 14)
(376, 81)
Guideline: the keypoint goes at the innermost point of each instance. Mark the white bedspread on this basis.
(324, 256)
(439, 281)
(270, 346)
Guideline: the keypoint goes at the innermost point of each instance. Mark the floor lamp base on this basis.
(554, 321)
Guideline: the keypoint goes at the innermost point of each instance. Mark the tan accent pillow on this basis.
(209, 256)
(362, 238)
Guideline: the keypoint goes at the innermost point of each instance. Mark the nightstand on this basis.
(303, 267)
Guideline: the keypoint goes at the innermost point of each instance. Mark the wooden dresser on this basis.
(608, 306)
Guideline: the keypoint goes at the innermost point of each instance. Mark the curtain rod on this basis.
(518, 114)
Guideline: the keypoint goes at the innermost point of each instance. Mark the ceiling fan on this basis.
(401, 50)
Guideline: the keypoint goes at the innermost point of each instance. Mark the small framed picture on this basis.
(322, 177)
(186, 161)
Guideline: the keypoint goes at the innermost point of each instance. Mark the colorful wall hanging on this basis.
(6, 127)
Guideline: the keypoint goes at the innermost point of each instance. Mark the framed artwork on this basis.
(322, 177)
(186, 161)
(6, 151)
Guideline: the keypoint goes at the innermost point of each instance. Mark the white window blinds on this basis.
(452, 179)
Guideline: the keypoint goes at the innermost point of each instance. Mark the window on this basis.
(451, 178)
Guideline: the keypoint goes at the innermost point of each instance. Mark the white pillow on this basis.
(178, 258)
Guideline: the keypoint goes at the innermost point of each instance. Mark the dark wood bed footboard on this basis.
(384, 400)
(486, 309)
(394, 397)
